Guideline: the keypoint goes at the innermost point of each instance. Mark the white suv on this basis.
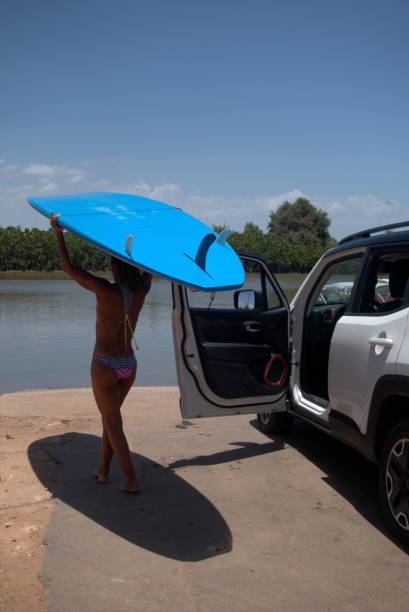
(338, 356)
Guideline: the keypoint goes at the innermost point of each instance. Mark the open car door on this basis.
(232, 347)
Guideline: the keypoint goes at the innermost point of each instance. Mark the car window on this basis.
(385, 284)
(255, 280)
(338, 281)
(273, 299)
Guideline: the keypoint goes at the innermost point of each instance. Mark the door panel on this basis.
(232, 361)
(235, 348)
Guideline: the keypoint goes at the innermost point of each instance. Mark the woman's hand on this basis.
(54, 224)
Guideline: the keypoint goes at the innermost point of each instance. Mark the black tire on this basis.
(275, 422)
(394, 481)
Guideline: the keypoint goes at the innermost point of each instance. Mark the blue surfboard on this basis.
(151, 235)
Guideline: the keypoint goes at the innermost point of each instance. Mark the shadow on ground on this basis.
(345, 470)
(245, 451)
(170, 517)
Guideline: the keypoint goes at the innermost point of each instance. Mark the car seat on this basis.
(398, 280)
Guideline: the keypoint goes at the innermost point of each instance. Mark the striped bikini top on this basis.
(127, 296)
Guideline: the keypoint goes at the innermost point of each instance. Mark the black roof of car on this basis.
(376, 236)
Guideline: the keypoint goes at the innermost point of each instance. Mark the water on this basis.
(47, 331)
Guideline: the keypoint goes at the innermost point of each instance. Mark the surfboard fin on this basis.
(222, 237)
(204, 246)
(129, 244)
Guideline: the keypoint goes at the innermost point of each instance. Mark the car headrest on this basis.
(398, 278)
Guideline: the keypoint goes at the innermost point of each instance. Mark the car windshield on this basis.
(335, 293)
(339, 293)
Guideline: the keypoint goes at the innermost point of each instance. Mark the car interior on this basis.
(243, 349)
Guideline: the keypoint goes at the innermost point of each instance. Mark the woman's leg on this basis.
(108, 397)
(106, 456)
(106, 449)
(124, 386)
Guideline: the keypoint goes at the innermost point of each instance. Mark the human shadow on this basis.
(170, 517)
(246, 450)
(346, 470)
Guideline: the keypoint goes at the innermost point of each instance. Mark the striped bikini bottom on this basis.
(123, 366)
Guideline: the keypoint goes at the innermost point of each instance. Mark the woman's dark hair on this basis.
(129, 275)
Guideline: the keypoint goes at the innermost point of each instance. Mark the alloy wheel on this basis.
(265, 417)
(397, 482)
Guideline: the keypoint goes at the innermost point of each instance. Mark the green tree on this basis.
(251, 240)
(300, 222)
(219, 228)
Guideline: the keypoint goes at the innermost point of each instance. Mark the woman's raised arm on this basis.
(82, 277)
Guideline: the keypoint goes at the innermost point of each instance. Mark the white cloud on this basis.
(102, 184)
(167, 192)
(48, 187)
(348, 214)
(236, 211)
(360, 211)
(9, 168)
(40, 170)
(73, 175)
(78, 177)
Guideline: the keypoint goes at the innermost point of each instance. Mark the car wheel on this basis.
(274, 422)
(394, 480)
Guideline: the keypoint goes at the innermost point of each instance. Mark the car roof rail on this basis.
(374, 230)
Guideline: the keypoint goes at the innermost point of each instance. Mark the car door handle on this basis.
(253, 327)
(386, 342)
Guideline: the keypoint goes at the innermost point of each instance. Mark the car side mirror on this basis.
(245, 300)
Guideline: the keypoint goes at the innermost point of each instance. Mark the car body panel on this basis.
(356, 365)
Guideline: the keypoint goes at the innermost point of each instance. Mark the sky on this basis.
(223, 107)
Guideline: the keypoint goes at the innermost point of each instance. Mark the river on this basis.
(47, 334)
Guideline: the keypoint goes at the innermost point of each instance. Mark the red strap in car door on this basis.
(275, 359)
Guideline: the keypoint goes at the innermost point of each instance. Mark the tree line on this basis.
(34, 249)
(297, 235)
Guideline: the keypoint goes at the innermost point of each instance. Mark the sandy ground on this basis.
(25, 504)
(229, 520)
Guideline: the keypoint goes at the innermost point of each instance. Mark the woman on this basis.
(113, 366)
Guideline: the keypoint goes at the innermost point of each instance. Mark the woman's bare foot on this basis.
(100, 476)
(130, 486)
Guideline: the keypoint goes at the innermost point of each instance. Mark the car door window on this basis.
(266, 295)
(337, 284)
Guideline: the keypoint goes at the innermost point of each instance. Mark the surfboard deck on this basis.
(151, 235)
